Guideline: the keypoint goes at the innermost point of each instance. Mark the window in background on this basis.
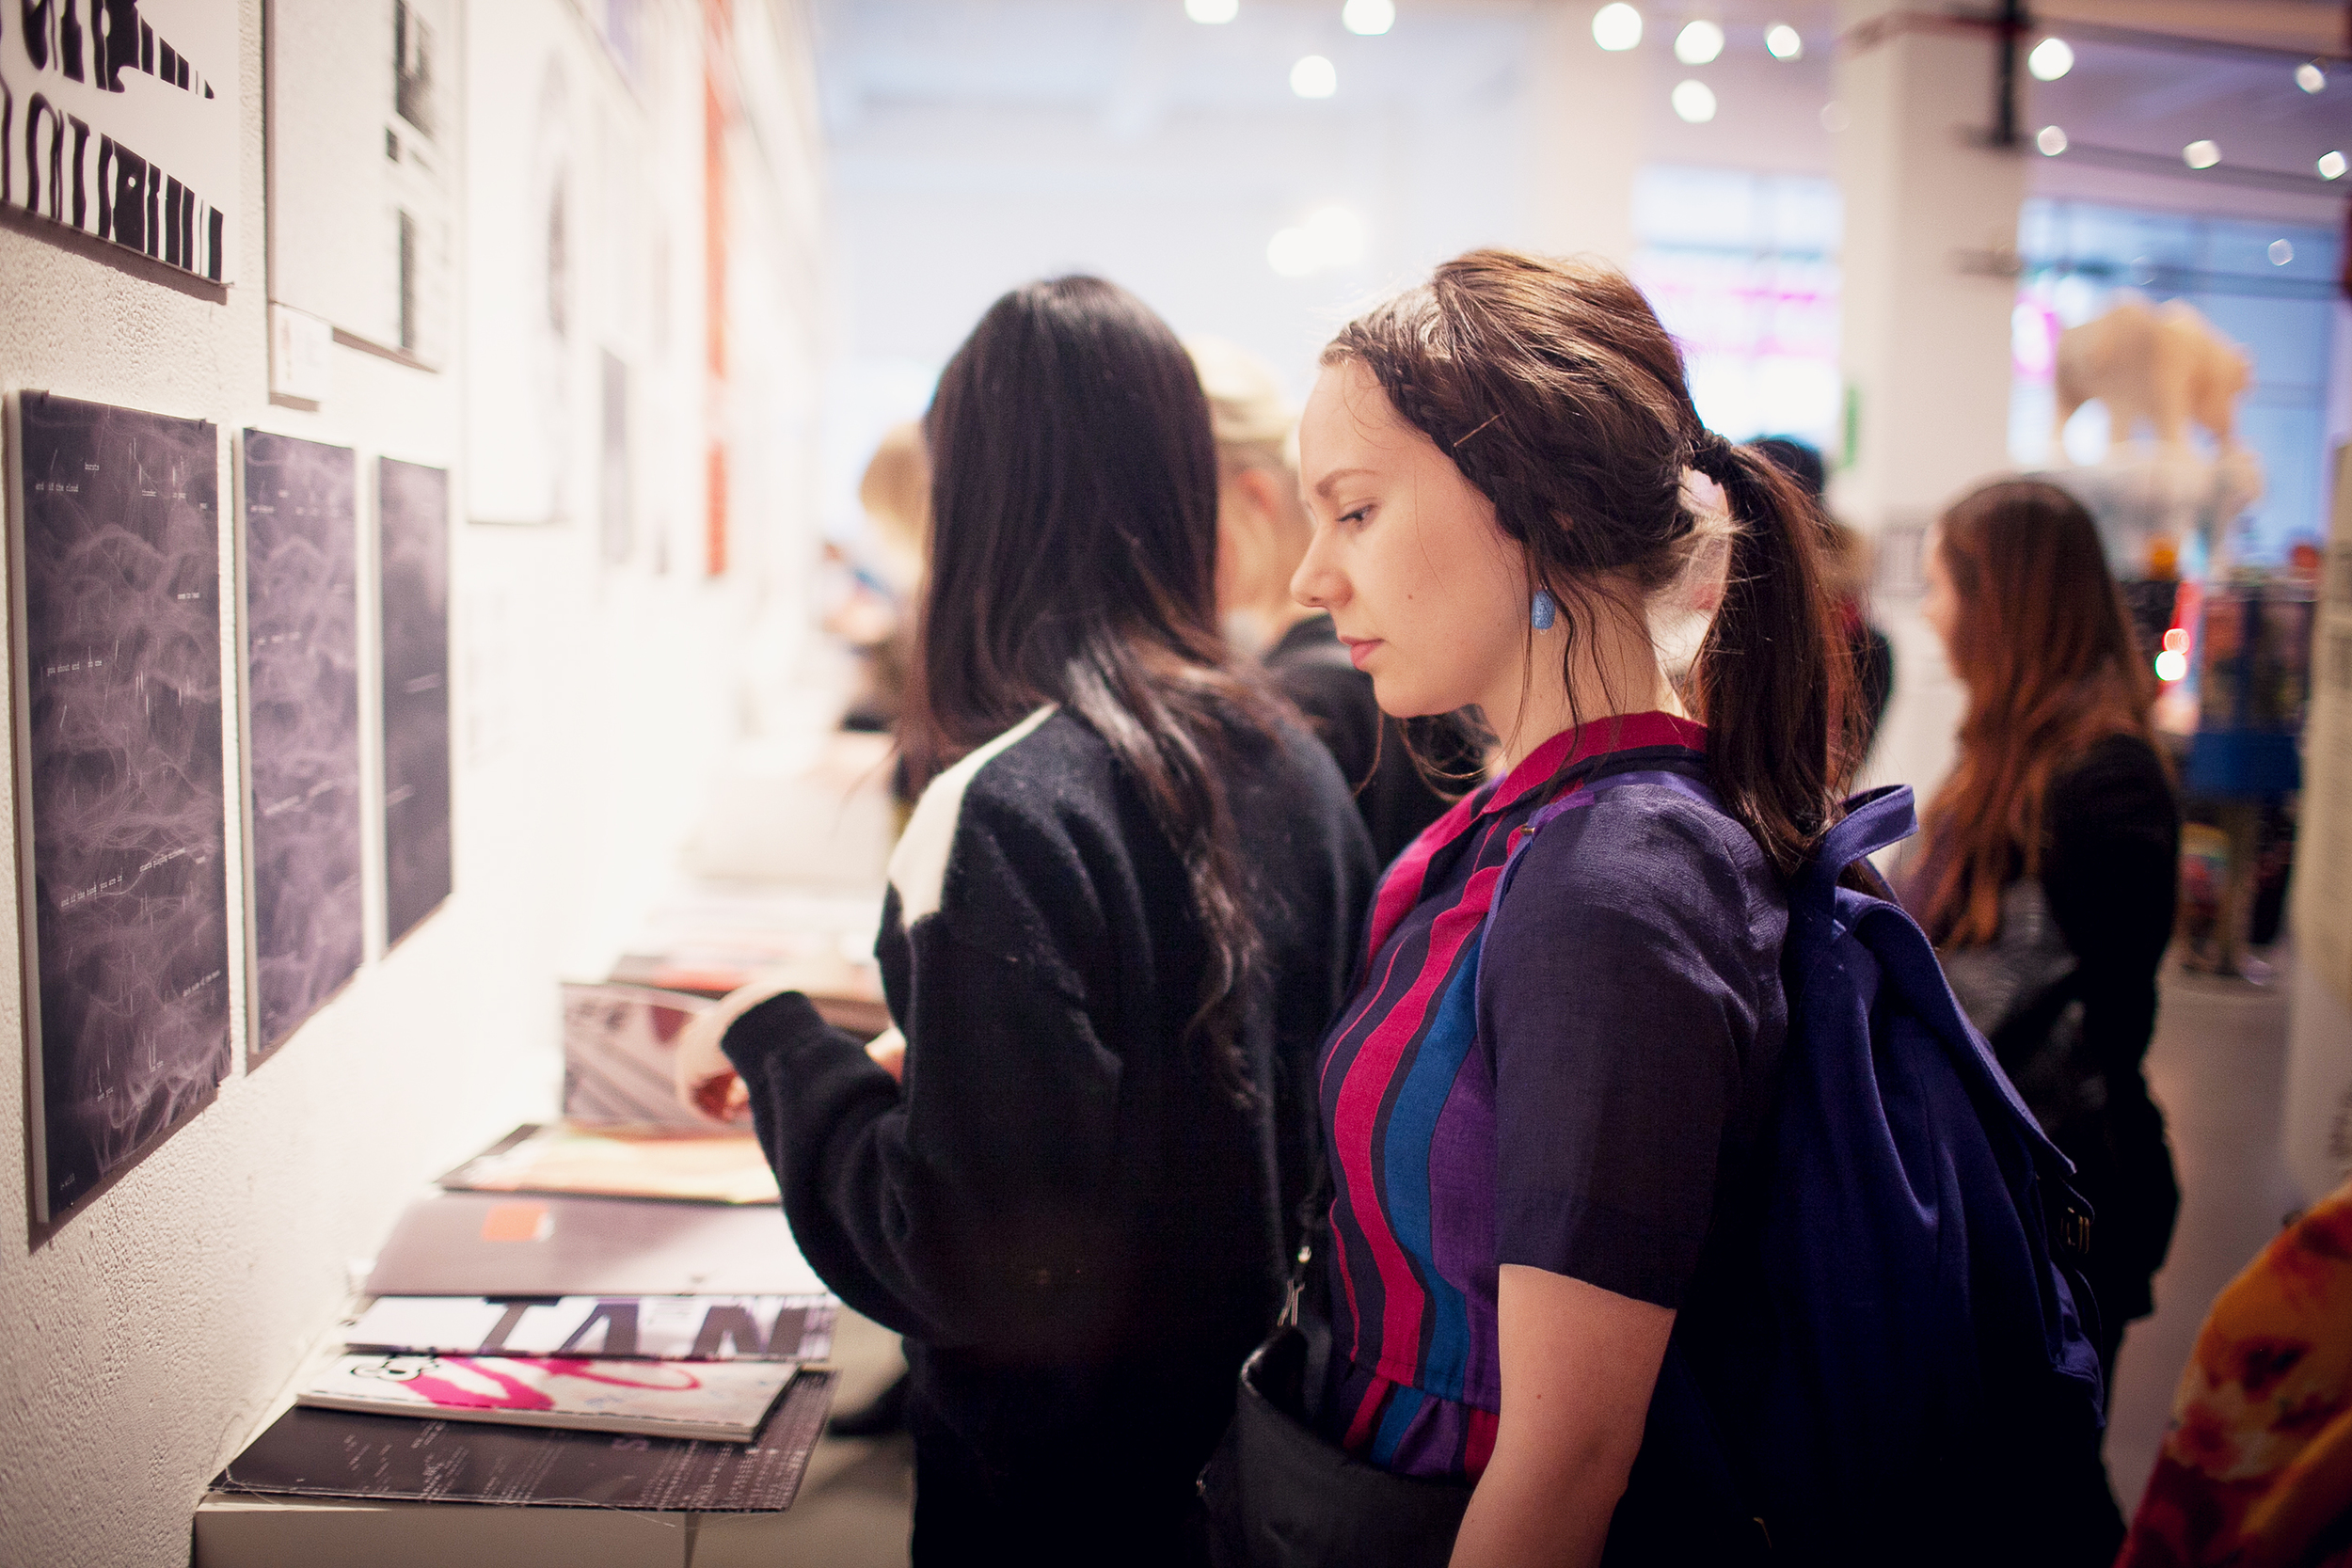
(1742, 268)
(2267, 287)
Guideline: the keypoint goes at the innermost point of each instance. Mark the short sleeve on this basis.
(1629, 997)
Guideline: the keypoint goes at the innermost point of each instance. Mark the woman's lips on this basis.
(1359, 649)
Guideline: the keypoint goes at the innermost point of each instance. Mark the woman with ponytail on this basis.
(1119, 916)
(1540, 1101)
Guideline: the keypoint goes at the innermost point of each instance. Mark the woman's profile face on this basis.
(1419, 581)
(1941, 608)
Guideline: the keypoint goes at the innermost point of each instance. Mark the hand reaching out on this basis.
(707, 1080)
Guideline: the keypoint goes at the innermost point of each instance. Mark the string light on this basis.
(2310, 77)
(1784, 42)
(2331, 165)
(1211, 11)
(2201, 154)
(1694, 101)
(2051, 139)
(1314, 77)
(1368, 18)
(1616, 26)
(1698, 43)
(2052, 58)
(2282, 252)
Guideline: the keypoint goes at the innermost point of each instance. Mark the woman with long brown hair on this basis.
(2048, 864)
(1536, 1102)
(1116, 923)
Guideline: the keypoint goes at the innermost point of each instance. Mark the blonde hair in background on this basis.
(896, 493)
(1254, 420)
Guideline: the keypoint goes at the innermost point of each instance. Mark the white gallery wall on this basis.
(597, 680)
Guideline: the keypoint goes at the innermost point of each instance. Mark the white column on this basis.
(1926, 327)
(1589, 113)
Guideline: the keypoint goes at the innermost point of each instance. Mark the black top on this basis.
(1310, 666)
(2066, 994)
(1065, 1209)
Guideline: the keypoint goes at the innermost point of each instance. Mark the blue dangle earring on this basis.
(1541, 612)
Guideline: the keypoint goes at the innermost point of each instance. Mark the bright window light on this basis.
(2310, 77)
(1314, 77)
(1784, 42)
(1694, 101)
(1616, 26)
(2201, 154)
(1698, 43)
(2051, 139)
(2172, 666)
(1368, 18)
(2051, 59)
(2331, 165)
(1212, 11)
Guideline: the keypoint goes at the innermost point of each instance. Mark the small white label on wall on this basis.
(300, 365)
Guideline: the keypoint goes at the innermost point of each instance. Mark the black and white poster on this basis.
(302, 697)
(412, 517)
(362, 116)
(118, 117)
(121, 806)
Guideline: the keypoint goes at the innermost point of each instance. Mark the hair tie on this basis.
(1713, 456)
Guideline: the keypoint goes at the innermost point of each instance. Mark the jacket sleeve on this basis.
(2110, 870)
(971, 1206)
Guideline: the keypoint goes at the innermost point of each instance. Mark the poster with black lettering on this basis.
(121, 121)
(120, 802)
(412, 519)
(362, 160)
(302, 728)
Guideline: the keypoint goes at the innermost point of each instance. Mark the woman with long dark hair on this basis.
(1537, 1101)
(1117, 923)
(2048, 864)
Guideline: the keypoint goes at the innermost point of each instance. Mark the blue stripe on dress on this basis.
(1406, 1142)
(1405, 1403)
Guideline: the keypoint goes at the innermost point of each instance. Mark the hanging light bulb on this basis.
(1314, 77)
(1368, 18)
(1784, 42)
(2052, 58)
(1616, 26)
(1698, 43)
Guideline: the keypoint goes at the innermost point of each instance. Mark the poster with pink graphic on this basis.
(719, 1401)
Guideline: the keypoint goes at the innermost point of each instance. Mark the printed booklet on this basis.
(701, 1166)
(721, 1402)
(666, 1328)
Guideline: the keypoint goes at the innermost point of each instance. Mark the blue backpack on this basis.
(1913, 1380)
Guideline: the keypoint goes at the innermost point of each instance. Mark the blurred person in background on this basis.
(1263, 533)
(1122, 913)
(2048, 870)
(1846, 563)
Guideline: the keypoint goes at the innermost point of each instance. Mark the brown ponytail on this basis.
(1555, 390)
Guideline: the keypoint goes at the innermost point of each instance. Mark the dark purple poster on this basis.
(302, 692)
(122, 806)
(412, 517)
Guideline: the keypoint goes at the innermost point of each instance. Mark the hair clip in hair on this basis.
(1541, 612)
(1472, 431)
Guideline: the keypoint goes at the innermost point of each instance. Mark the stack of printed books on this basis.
(583, 1317)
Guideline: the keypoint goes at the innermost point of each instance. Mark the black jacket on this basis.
(1310, 666)
(1080, 1230)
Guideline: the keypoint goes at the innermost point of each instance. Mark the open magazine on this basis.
(704, 1166)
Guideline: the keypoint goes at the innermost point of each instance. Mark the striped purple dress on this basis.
(1572, 1110)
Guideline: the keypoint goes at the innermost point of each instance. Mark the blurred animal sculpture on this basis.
(2163, 364)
